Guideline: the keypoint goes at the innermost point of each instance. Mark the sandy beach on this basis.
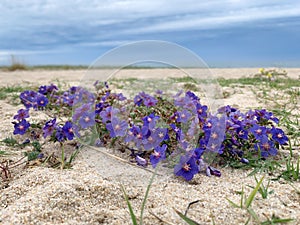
(90, 192)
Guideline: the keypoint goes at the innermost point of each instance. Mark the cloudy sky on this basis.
(223, 33)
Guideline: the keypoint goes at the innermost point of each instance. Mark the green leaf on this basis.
(32, 155)
(250, 199)
(133, 217)
(10, 141)
(253, 214)
(232, 203)
(276, 221)
(146, 196)
(186, 219)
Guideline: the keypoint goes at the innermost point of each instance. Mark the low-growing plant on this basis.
(177, 130)
(292, 170)
(57, 105)
(271, 74)
(246, 202)
(132, 214)
(263, 190)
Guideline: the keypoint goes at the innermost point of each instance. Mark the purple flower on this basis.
(143, 98)
(43, 89)
(177, 131)
(244, 160)
(73, 89)
(87, 120)
(60, 134)
(21, 127)
(183, 116)
(52, 88)
(68, 130)
(194, 128)
(184, 102)
(49, 127)
(201, 111)
(158, 154)
(242, 133)
(142, 134)
(28, 98)
(77, 97)
(186, 168)
(42, 101)
(155, 138)
(130, 136)
(79, 111)
(150, 121)
(22, 114)
(150, 101)
(138, 100)
(192, 95)
(120, 97)
(279, 136)
(141, 161)
(212, 171)
(117, 127)
(108, 113)
(259, 132)
(266, 147)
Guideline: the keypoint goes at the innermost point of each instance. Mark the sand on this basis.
(90, 192)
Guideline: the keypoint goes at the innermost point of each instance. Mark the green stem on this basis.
(146, 196)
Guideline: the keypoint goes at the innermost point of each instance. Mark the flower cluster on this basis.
(40, 101)
(177, 130)
(271, 74)
(254, 131)
(46, 99)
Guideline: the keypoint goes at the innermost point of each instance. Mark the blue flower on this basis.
(177, 131)
(259, 132)
(99, 107)
(266, 147)
(143, 98)
(150, 121)
(117, 127)
(68, 130)
(108, 113)
(21, 127)
(158, 154)
(41, 101)
(201, 111)
(279, 136)
(150, 101)
(28, 98)
(154, 138)
(141, 161)
(60, 134)
(212, 171)
(186, 168)
(79, 111)
(22, 114)
(87, 120)
(49, 127)
(52, 88)
(183, 116)
(242, 133)
(192, 95)
(142, 134)
(43, 89)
